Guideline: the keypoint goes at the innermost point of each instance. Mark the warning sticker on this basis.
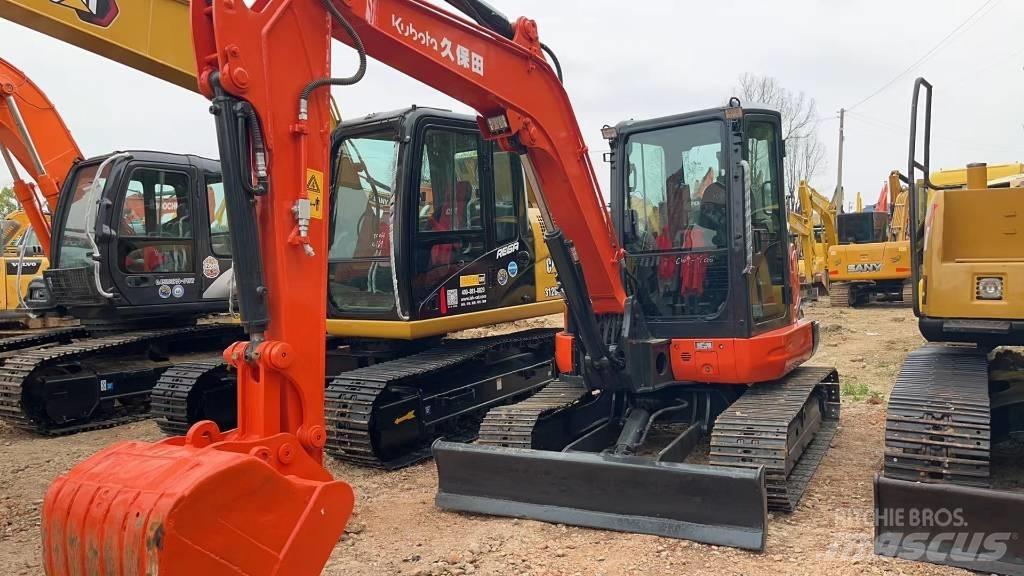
(315, 190)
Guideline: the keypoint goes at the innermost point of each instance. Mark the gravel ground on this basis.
(397, 529)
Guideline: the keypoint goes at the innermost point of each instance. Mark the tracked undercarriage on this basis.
(73, 380)
(574, 456)
(941, 496)
(384, 414)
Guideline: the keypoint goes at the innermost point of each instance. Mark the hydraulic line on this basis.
(339, 18)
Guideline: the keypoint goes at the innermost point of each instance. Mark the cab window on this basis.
(767, 279)
(155, 228)
(450, 230)
(508, 189)
(220, 231)
(676, 194)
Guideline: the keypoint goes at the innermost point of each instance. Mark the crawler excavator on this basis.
(950, 491)
(814, 237)
(458, 213)
(872, 259)
(126, 259)
(256, 500)
(455, 207)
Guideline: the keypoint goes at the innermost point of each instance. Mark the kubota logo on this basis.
(96, 12)
(868, 267)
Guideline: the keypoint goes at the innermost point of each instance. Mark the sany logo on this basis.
(96, 12)
(870, 267)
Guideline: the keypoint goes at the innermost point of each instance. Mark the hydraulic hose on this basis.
(339, 18)
(554, 60)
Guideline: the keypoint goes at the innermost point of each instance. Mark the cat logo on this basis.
(861, 268)
(100, 13)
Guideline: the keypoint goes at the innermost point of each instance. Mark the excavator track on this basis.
(937, 427)
(19, 371)
(512, 426)
(169, 400)
(839, 295)
(355, 399)
(786, 426)
(39, 338)
(908, 292)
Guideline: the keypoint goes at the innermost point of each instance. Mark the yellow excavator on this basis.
(950, 491)
(872, 257)
(814, 228)
(22, 262)
(422, 245)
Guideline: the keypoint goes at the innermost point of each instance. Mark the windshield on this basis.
(862, 227)
(675, 186)
(74, 248)
(360, 251)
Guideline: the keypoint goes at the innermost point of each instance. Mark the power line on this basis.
(904, 130)
(929, 53)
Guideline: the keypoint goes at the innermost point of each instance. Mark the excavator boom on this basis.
(33, 133)
(148, 35)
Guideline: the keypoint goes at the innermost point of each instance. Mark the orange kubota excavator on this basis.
(675, 333)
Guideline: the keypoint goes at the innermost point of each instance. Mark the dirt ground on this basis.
(397, 529)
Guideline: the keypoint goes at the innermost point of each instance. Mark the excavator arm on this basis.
(32, 132)
(261, 487)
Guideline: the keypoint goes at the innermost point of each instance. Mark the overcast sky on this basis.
(650, 58)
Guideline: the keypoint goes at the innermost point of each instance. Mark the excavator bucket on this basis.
(711, 504)
(174, 509)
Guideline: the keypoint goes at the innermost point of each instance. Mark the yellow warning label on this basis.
(315, 190)
(472, 280)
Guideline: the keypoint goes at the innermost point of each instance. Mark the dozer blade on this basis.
(978, 529)
(714, 505)
(169, 509)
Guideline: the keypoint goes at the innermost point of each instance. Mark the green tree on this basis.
(8, 203)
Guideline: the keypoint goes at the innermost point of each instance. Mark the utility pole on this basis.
(838, 199)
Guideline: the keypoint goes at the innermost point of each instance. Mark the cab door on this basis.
(471, 247)
(153, 260)
(448, 218)
(213, 240)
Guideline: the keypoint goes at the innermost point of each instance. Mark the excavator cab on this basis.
(135, 235)
(430, 230)
(692, 265)
(863, 227)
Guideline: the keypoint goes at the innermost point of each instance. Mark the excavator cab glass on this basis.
(360, 278)
(141, 234)
(425, 206)
(862, 227)
(688, 194)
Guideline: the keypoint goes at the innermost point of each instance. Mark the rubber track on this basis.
(839, 295)
(169, 398)
(937, 426)
(511, 426)
(33, 339)
(18, 369)
(350, 397)
(754, 431)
